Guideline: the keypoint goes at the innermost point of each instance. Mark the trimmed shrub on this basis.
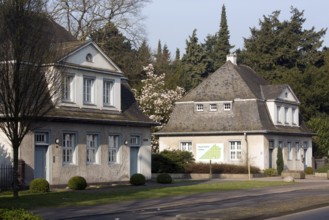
(164, 178)
(279, 161)
(309, 170)
(270, 172)
(77, 183)
(173, 161)
(220, 168)
(137, 179)
(17, 214)
(39, 185)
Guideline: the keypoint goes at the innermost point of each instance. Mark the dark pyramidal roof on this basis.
(248, 93)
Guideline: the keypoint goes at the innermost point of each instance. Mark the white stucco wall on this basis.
(258, 148)
(103, 171)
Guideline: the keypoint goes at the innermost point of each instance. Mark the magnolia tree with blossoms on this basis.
(156, 100)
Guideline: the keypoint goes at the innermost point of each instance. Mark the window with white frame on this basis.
(89, 57)
(186, 146)
(293, 116)
(68, 148)
(280, 144)
(286, 116)
(88, 90)
(92, 148)
(199, 107)
(235, 150)
(108, 92)
(227, 106)
(114, 149)
(67, 91)
(289, 151)
(213, 107)
(297, 151)
(278, 114)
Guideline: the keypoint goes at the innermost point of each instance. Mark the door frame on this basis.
(41, 139)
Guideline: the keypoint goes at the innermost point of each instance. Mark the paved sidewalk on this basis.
(307, 193)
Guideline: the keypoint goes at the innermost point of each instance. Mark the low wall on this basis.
(199, 176)
(293, 173)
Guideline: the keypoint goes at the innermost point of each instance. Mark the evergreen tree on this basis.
(117, 47)
(217, 46)
(279, 161)
(284, 52)
(223, 45)
(194, 63)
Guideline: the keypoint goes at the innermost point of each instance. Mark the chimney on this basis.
(231, 57)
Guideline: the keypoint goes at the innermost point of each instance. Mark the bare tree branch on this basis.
(29, 83)
(83, 17)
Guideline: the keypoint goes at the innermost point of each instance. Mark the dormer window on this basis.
(227, 106)
(89, 58)
(199, 107)
(213, 107)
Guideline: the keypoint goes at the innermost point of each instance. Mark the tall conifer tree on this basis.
(194, 63)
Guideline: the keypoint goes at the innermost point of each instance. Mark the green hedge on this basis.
(220, 168)
(17, 214)
(323, 169)
(171, 161)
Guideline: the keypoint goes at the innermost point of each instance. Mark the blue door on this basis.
(134, 161)
(40, 161)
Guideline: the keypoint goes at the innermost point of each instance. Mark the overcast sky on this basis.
(172, 21)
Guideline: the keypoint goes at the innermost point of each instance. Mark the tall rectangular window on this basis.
(114, 145)
(186, 146)
(293, 119)
(278, 115)
(108, 92)
(286, 116)
(297, 151)
(289, 151)
(67, 90)
(88, 90)
(235, 150)
(68, 148)
(92, 148)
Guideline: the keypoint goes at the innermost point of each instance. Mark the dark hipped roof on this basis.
(227, 83)
(248, 114)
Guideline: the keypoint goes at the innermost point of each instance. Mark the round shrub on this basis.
(137, 179)
(309, 170)
(39, 185)
(164, 178)
(270, 172)
(77, 183)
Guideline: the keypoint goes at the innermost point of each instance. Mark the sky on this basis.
(173, 21)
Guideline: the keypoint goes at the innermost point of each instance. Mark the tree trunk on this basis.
(15, 172)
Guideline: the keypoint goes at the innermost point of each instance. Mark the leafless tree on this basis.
(82, 17)
(29, 82)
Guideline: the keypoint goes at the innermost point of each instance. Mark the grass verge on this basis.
(109, 195)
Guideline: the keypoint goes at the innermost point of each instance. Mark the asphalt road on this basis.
(318, 214)
(240, 204)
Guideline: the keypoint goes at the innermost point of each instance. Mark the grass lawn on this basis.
(108, 195)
